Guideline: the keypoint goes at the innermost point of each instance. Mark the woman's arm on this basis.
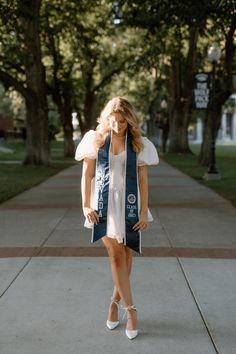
(143, 188)
(86, 181)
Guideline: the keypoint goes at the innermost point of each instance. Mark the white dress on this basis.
(115, 214)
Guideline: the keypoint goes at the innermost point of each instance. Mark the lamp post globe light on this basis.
(213, 53)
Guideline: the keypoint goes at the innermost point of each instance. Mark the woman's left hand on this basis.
(142, 224)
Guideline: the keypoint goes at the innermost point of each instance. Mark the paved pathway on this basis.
(55, 285)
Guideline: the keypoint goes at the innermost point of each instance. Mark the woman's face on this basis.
(118, 124)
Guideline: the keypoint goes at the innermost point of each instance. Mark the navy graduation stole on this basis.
(132, 238)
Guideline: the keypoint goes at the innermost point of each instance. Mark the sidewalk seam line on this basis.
(199, 307)
(30, 258)
(193, 295)
(15, 277)
(50, 233)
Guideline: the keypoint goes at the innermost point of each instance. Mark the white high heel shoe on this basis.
(130, 333)
(113, 324)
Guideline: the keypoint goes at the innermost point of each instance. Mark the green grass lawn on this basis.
(226, 164)
(16, 178)
(18, 151)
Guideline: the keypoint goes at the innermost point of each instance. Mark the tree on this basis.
(181, 76)
(59, 75)
(98, 69)
(103, 53)
(81, 57)
(224, 23)
(24, 71)
(177, 28)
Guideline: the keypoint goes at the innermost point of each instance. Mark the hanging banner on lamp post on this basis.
(201, 90)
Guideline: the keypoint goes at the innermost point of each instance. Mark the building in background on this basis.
(227, 131)
(6, 124)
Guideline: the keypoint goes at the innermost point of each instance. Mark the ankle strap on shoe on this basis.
(115, 302)
(130, 307)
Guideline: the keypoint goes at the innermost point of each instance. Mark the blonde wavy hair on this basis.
(119, 105)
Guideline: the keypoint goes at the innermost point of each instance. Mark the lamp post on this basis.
(213, 56)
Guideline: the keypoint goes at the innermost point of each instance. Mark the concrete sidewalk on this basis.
(55, 285)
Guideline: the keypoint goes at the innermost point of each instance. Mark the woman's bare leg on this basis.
(121, 263)
(129, 258)
(113, 310)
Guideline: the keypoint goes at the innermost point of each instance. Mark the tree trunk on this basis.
(36, 154)
(63, 103)
(89, 105)
(69, 147)
(165, 134)
(178, 134)
(205, 151)
(37, 147)
(62, 96)
(182, 87)
(65, 112)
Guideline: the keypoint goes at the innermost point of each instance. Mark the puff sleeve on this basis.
(148, 156)
(86, 147)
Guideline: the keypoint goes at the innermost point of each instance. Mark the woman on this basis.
(115, 196)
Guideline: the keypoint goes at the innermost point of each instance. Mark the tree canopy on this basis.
(75, 55)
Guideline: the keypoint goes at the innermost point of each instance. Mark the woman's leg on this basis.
(113, 310)
(129, 258)
(121, 261)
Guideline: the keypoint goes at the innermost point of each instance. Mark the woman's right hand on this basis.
(91, 215)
